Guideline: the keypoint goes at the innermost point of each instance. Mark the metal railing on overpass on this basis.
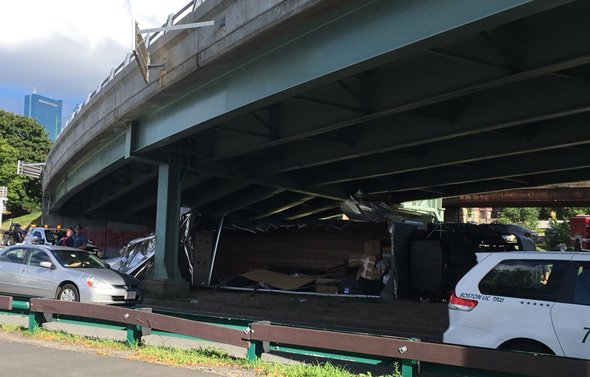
(259, 337)
(172, 20)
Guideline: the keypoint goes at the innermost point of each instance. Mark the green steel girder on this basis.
(109, 157)
(547, 135)
(446, 80)
(167, 224)
(501, 168)
(504, 108)
(249, 197)
(148, 201)
(379, 32)
(206, 196)
(102, 198)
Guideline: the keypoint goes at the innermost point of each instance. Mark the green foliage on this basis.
(561, 234)
(566, 213)
(526, 217)
(21, 138)
(24, 221)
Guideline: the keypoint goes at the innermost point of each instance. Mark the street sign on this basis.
(142, 56)
(140, 51)
(31, 170)
(3, 198)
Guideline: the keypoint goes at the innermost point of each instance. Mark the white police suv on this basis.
(527, 301)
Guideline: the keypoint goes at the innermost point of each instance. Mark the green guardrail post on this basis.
(254, 351)
(133, 335)
(36, 321)
(409, 368)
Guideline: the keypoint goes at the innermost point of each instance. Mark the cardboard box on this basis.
(370, 274)
(354, 260)
(367, 268)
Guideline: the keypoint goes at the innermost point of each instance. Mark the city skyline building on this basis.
(47, 111)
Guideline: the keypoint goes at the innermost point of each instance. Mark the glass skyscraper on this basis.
(46, 111)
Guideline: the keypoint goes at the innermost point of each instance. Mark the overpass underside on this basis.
(404, 100)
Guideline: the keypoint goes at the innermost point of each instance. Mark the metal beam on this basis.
(135, 180)
(284, 207)
(203, 197)
(499, 185)
(150, 200)
(552, 134)
(541, 197)
(314, 211)
(410, 102)
(108, 158)
(502, 109)
(167, 224)
(502, 168)
(242, 201)
(381, 35)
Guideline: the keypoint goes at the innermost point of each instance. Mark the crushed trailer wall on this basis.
(310, 250)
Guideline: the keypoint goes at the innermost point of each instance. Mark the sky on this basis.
(62, 49)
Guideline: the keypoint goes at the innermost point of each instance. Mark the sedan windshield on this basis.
(71, 258)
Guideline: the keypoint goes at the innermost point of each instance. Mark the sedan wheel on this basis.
(68, 292)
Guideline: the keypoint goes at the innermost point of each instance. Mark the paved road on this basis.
(22, 357)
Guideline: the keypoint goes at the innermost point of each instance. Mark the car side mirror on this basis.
(36, 240)
(46, 264)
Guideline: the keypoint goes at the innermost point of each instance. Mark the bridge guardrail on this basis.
(262, 337)
(172, 20)
(5, 303)
(137, 321)
(411, 351)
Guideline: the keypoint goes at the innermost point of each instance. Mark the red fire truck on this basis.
(580, 232)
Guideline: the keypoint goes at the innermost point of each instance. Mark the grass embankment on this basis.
(24, 220)
(201, 357)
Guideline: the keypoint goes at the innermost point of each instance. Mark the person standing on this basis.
(68, 239)
(80, 240)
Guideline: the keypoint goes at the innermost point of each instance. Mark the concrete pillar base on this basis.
(166, 287)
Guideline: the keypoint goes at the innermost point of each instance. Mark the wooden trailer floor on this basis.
(407, 318)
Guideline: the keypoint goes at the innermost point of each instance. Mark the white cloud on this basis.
(64, 48)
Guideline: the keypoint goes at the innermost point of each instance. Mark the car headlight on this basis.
(99, 284)
(511, 238)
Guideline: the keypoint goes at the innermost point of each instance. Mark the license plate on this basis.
(130, 295)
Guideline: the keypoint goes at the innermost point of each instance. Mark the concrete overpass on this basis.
(294, 105)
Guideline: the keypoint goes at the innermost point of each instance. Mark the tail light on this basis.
(463, 304)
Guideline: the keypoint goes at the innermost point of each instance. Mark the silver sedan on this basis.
(64, 273)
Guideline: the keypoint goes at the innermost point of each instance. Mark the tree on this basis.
(526, 217)
(21, 138)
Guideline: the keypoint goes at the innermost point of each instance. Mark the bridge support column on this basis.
(165, 277)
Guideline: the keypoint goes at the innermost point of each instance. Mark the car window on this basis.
(528, 279)
(582, 284)
(53, 236)
(13, 256)
(72, 258)
(38, 235)
(36, 257)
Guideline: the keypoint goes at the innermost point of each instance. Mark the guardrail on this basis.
(139, 322)
(5, 303)
(260, 337)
